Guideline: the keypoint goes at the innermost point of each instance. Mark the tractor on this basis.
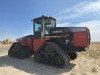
(51, 45)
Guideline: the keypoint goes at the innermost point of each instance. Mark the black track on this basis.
(19, 51)
(51, 54)
(67, 49)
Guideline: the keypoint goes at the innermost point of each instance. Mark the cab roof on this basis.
(45, 17)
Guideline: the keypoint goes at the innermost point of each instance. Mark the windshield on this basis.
(49, 23)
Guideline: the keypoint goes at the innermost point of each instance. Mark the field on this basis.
(87, 63)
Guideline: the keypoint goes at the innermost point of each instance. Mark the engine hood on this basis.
(67, 29)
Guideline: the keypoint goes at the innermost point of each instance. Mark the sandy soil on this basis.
(83, 65)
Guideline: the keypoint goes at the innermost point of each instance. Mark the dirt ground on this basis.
(87, 63)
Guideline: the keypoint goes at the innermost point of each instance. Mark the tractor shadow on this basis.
(28, 65)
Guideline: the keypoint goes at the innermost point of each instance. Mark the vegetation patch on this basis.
(92, 53)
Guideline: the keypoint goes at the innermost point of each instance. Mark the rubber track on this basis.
(22, 52)
(59, 51)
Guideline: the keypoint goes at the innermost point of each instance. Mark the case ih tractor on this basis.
(51, 45)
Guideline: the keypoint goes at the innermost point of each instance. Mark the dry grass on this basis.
(4, 45)
(91, 54)
(93, 51)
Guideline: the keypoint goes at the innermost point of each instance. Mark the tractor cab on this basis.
(42, 25)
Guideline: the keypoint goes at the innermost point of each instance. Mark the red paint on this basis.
(81, 39)
(26, 42)
(38, 42)
(29, 43)
(23, 42)
(32, 43)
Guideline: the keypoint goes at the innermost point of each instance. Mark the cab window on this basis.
(49, 23)
(38, 26)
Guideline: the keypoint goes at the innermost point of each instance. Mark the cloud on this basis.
(64, 25)
(94, 27)
(83, 9)
(79, 10)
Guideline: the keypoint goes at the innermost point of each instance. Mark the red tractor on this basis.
(51, 45)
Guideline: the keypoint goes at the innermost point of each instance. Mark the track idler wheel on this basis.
(59, 61)
(13, 51)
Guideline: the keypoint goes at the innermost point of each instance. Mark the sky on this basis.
(16, 15)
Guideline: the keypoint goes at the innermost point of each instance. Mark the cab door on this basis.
(37, 29)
